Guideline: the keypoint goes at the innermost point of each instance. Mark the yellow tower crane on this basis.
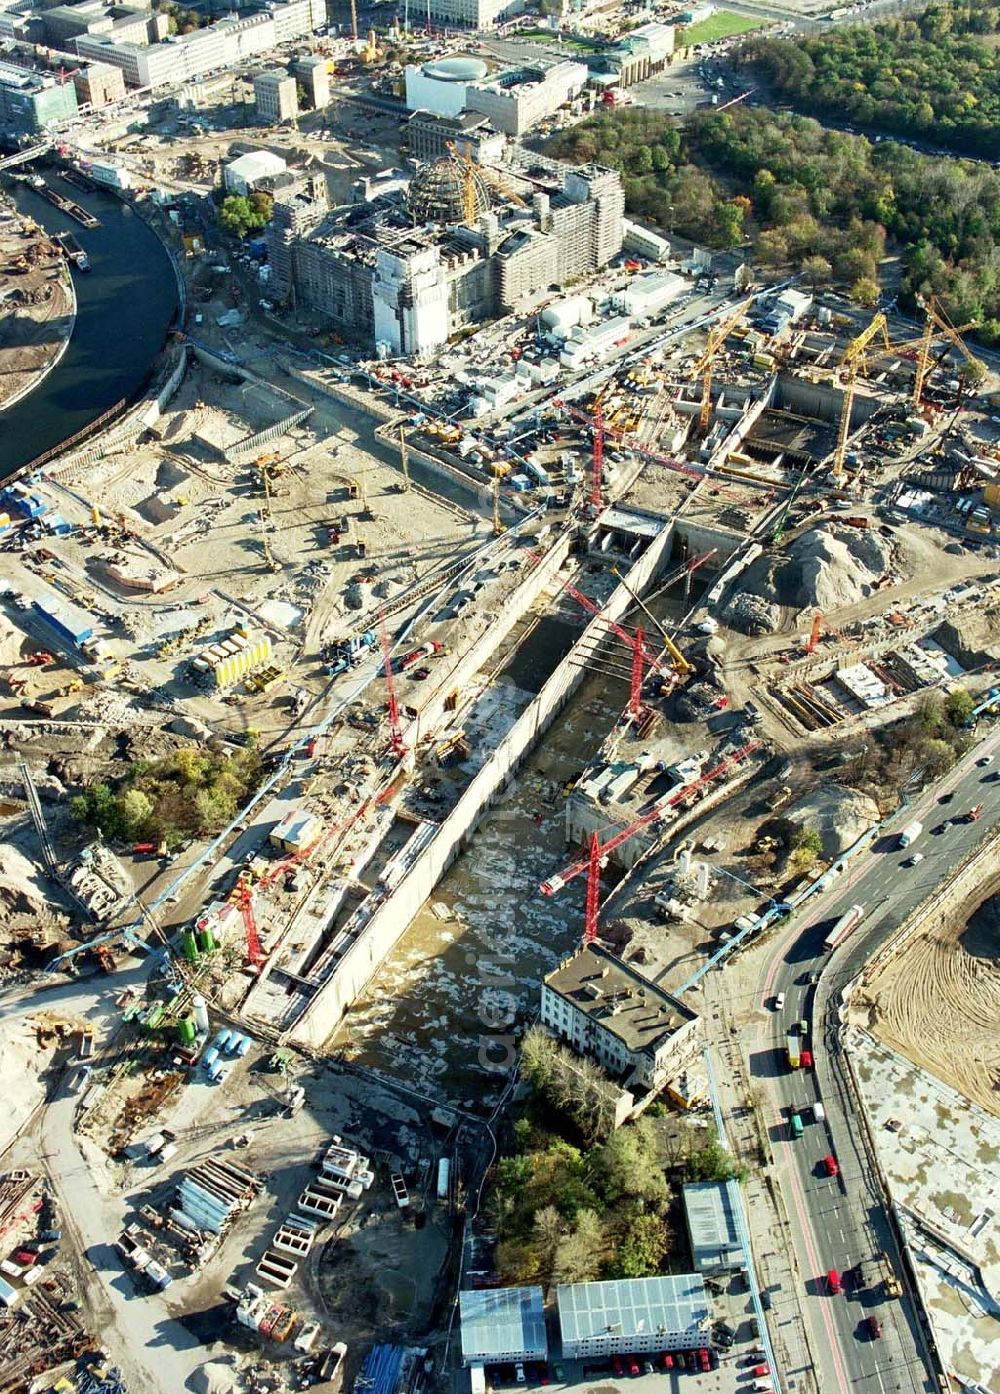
(470, 169)
(716, 338)
(935, 319)
(850, 363)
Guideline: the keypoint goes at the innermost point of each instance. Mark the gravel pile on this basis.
(752, 614)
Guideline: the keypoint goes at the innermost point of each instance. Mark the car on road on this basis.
(940, 828)
(833, 1283)
(668, 1361)
(831, 1166)
(819, 1113)
(795, 1126)
(874, 1328)
(779, 1001)
(806, 1060)
(915, 860)
(947, 798)
(984, 760)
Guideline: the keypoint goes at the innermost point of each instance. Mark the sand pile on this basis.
(826, 568)
(839, 815)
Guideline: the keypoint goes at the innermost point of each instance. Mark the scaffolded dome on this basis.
(448, 191)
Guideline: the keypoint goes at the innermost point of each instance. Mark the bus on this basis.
(796, 1126)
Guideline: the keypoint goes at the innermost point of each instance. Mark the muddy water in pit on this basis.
(447, 1007)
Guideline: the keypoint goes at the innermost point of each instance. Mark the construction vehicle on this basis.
(974, 814)
(345, 653)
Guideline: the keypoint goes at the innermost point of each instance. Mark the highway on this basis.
(836, 1222)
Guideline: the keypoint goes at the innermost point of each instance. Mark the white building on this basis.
(603, 1008)
(410, 298)
(502, 1325)
(710, 1209)
(648, 244)
(245, 174)
(217, 47)
(633, 1315)
(514, 99)
(648, 295)
(275, 97)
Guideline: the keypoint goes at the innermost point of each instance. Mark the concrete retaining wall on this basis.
(365, 956)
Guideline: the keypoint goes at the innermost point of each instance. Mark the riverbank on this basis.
(38, 308)
(125, 308)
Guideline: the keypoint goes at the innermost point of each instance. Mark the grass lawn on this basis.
(545, 36)
(722, 25)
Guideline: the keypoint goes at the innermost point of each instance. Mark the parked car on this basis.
(833, 1283)
(874, 1328)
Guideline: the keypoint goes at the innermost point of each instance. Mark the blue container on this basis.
(216, 1071)
(224, 1039)
(211, 1059)
(244, 1045)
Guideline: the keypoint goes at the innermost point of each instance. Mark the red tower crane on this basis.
(596, 424)
(599, 852)
(395, 725)
(597, 482)
(255, 955)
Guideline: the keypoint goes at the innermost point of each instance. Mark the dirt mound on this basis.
(839, 815)
(974, 639)
(825, 568)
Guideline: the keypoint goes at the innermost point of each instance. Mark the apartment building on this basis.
(275, 97)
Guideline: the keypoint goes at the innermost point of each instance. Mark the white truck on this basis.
(910, 834)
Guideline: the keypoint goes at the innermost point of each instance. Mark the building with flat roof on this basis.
(217, 47)
(275, 97)
(633, 1315)
(315, 78)
(100, 84)
(710, 1209)
(252, 170)
(501, 1325)
(386, 282)
(428, 137)
(641, 1035)
(515, 99)
(30, 101)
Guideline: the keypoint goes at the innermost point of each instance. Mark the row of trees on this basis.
(932, 77)
(192, 793)
(811, 199)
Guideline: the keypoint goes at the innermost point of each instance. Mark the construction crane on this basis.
(851, 361)
(631, 442)
(395, 725)
(680, 665)
(498, 527)
(935, 318)
(717, 336)
(599, 852)
(815, 632)
(597, 464)
(641, 656)
(470, 170)
(255, 955)
(38, 817)
(354, 20)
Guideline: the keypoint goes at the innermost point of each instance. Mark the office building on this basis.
(120, 23)
(428, 137)
(313, 75)
(606, 1010)
(216, 48)
(100, 84)
(31, 101)
(632, 1316)
(514, 99)
(405, 277)
(275, 97)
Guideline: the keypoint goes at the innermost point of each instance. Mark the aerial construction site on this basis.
(357, 703)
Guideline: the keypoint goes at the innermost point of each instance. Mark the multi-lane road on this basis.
(837, 1222)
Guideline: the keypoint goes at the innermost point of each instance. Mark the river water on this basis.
(125, 306)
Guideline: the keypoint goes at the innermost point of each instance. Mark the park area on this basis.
(721, 25)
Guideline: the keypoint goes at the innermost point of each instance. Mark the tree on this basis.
(973, 371)
(627, 1165)
(806, 839)
(580, 1255)
(817, 271)
(136, 810)
(239, 216)
(864, 292)
(642, 1248)
(958, 706)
